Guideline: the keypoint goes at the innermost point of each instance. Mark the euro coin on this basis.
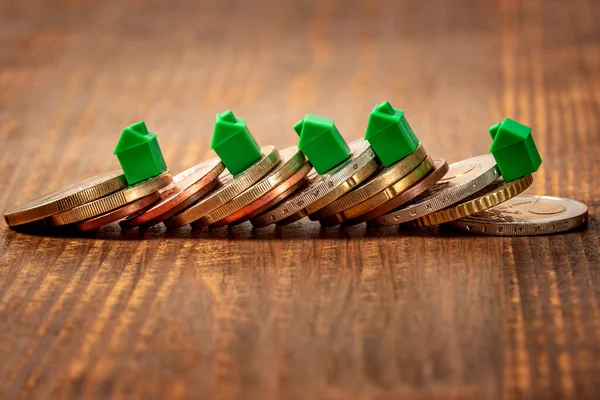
(525, 215)
(324, 189)
(463, 179)
(494, 194)
(440, 167)
(292, 159)
(112, 201)
(229, 188)
(66, 199)
(381, 180)
(187, 187)
(119, 213)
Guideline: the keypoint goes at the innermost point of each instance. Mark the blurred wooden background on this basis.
(298, 312)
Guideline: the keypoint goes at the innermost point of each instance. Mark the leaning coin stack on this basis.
(385, 179)
(107, 198)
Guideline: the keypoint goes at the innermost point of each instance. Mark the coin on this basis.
(119, 213)
(462, 180)
(187, 187)
(526, 215)
(384, 178)
(323, 189)
(269, 199)
(382, 197)
(415, 185)
(229, 189)
(65, 199)
(496, 193)
(112, 201)
(292, 159)
(291, 189)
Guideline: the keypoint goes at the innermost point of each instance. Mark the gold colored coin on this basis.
(230, 188)
(292, 159)
(494, 194)
(384, 178)
(112, 201)
(280, 193)
(119, 213)
(525, 215)
(324, 189)
(385, 195)
(438, 170)
(187, 188)
(66, 199)
(463, 179)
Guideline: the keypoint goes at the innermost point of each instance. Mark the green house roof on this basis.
(312, 127)
(382, 117)
(132, 136)
(226, 125)
(508, 133)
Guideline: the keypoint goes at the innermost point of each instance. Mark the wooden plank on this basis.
(300, 311)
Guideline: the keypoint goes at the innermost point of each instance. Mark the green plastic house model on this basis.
(513, 149)
(233, 143)
(389, 134)
(139, 153)
(321, 142)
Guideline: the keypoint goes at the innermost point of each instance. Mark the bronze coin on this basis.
(273, 197)
(187, 187)
(440, 167)
(119, 213)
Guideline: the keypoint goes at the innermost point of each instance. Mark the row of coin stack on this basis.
(385, 179)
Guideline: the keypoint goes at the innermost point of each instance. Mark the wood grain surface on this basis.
(297, 312)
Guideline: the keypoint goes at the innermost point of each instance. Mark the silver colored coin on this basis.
(463, 179)
(323, 189)
(526, 215)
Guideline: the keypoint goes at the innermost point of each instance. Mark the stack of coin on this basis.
(469, 186)
(92, 203)
(365, 181)
(187, 187)
(229, 188)
(383, 191)
(433, 194)
(418, 191)
(222, 208)
(322, 190)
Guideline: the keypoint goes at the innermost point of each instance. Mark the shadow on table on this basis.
(304, 229)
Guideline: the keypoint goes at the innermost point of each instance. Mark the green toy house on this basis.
(389, 134)
(321, 142)
(139, 153)
(233, 143)
(513, 149)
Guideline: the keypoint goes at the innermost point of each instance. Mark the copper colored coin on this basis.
(440, 167)
(274, 196)
(119, 213)
(463, 179)
(385, 195)
(291, 160)
(111, 202)
(325, 188)
(290, 191)
(229, 188)
(187, 187)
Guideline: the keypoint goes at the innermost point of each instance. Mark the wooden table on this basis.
(298, 312)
